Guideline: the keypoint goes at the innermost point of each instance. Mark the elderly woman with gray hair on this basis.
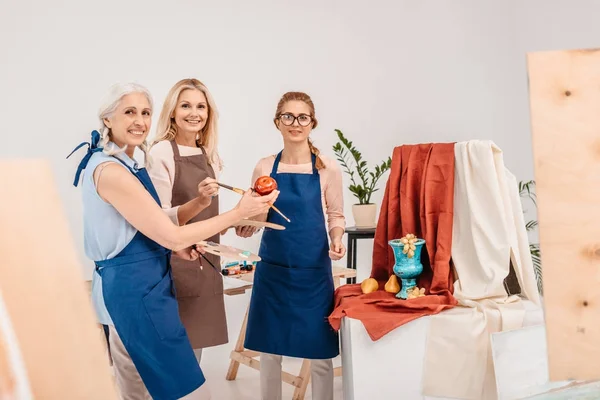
(130, 239)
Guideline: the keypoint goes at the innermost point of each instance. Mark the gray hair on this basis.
(109, 106)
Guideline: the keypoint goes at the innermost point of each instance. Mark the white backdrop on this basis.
(384, 72)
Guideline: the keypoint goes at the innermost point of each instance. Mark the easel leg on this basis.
(239, 348)
(304, 376)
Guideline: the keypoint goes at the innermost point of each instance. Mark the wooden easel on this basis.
(240, 355)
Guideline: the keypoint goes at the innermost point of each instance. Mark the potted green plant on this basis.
(363, 184)
(526, 190)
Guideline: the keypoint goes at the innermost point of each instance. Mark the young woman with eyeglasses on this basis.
(293, 287)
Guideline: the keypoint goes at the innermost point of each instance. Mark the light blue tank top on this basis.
(105, 232)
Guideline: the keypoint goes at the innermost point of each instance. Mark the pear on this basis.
(369, 285)
(392, 285)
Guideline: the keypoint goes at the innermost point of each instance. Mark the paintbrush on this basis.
(241, 191)
(237, 190)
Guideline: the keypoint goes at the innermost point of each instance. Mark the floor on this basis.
(215, 362)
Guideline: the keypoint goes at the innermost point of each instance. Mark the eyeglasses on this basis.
(288, 119)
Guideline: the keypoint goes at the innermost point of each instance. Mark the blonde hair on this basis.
(303, 97)
(110, 104)
(167, 129)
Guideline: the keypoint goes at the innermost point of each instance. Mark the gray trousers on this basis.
(128, 379)
(321, 378)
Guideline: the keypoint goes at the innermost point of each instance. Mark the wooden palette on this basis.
(260, 224)
(228, 252)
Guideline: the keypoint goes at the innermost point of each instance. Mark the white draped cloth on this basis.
(488, 233)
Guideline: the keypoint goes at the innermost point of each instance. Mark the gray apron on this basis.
(198, 284)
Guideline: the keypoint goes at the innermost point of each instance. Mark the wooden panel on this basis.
(564, 90)
(44, 290)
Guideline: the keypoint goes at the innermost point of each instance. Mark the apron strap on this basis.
(276, 163)
(175, 148)
(313, 159)
(142, 175)
(92, 148)
(134, 170)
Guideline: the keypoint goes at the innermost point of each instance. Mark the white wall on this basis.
(385, 73)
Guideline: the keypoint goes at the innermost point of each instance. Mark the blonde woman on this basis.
(130, 239)
(184, 171)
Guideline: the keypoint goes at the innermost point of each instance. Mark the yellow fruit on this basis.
(392, 285)
(369, 285)
(415, 292)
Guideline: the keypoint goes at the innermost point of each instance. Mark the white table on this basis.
(364, 360)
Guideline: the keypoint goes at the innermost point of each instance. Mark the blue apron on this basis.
(139, 296)
(292, 295)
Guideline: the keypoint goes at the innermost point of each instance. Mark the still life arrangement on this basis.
(407, 268)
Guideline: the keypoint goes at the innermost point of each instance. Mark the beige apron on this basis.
(198, 284)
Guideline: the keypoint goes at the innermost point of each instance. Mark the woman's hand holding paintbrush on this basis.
(251, 205)
(263, 187)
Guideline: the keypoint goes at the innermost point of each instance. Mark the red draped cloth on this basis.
(418, 199)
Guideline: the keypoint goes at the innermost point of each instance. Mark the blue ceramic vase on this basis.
(407, 268)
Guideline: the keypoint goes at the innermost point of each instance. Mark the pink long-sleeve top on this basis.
(331, 185)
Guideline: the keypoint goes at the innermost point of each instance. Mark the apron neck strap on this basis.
(276, 163)
(175, 148)
(142, 175)
(133, 170)
(313, 159)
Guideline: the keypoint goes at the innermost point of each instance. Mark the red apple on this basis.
(265, 185)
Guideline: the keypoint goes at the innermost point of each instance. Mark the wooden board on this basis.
(337, 272)
(260, 224)
(564, 91)
(44, 292)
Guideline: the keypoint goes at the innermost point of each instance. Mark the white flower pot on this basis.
(364, 215)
